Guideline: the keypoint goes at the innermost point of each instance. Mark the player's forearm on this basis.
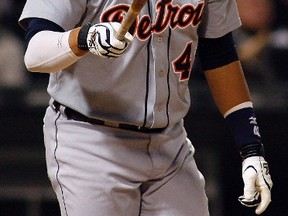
(228, 86)
(231, 94)
(50, 52)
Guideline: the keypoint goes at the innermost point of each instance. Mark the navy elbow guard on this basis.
(245, 130)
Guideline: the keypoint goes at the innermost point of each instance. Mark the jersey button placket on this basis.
(161, 68)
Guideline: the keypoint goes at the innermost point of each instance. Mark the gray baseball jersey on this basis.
(148, 83)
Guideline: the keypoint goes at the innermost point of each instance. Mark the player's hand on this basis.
(257, 183)
(102, 41)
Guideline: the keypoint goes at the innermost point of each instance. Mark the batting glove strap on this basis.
(82, 37)
(252, 150)
(257, 183)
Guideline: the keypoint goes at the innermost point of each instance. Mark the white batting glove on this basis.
(257, 183)
(102, 41)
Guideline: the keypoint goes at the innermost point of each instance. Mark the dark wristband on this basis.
(82, 37)
(244, 128)
(252, 150)
(243, 125)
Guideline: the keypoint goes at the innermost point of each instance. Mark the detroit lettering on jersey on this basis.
(168, 15)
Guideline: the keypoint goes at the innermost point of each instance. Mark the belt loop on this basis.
(59, 108)
(55, 105)
(62, 110)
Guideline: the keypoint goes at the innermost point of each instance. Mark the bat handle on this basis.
(130, 17)
(126, 24)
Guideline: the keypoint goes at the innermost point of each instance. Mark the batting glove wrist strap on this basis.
(252, 150)
(82, 37)
(257, 183)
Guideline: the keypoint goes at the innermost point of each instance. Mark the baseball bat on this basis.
(130, 17)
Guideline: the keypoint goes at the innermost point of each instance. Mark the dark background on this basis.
(25, 189)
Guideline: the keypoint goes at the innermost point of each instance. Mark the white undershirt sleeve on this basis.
(49, 52)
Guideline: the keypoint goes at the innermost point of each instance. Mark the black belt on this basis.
(72, 114)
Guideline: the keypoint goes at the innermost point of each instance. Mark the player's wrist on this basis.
(73, 42)
(82, 37)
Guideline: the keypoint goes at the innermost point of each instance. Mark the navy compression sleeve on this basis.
(38, 24)
(217, 52)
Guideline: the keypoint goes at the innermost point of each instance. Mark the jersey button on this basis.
(159, 39)
(161, 74)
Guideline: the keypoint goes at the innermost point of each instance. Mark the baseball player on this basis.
(114, 136)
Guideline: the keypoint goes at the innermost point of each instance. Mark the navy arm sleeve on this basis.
(38, 24)
(217, 52)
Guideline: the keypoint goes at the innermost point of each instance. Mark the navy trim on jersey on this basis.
(168, 78)
(147, 83)
(36, 25)
(217, 52)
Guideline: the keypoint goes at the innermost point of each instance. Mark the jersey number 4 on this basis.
(183, 64)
